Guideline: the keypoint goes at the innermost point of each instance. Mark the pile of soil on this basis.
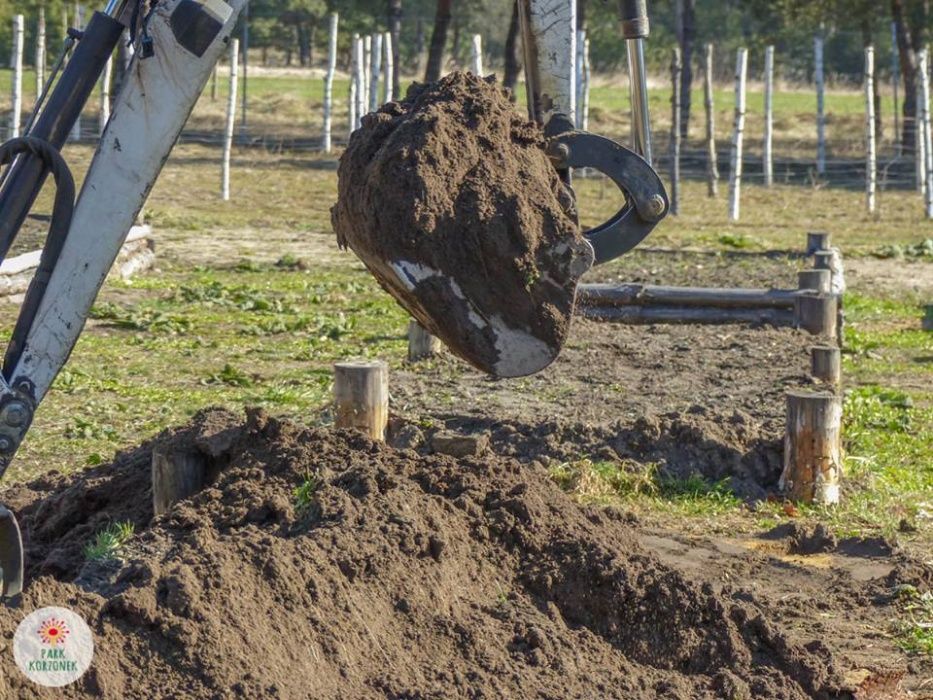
(450, 201)
(399, 575)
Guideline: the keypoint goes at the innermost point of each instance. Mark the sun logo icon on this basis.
(53, 632)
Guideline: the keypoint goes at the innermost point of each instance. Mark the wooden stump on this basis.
(361, 395)
(819, 281)
(812, 447)
(818, 240)
(817, 314)
(826, 364)
(421, 344)
(176, 475)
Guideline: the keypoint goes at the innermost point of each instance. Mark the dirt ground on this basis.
(404, 572)
(404, 575)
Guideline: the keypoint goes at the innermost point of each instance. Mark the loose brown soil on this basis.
(451, 202)
(418, 576)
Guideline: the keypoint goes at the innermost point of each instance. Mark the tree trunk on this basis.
(304, 45)
(439, 41)
(513, 61)
(686, 30)
(455, 48)
(395, 29)
(908, 59)
(419, 46)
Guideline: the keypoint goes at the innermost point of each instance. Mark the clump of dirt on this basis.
(449, 199)
(320, 564)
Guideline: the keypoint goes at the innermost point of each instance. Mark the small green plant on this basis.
(737, 241)
(231, 376)
(290, 262)
(84, 429)
(305, 492)
(923, 249)
(107, 543)
(136, 318)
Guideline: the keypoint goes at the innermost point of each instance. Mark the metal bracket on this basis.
(646, 199)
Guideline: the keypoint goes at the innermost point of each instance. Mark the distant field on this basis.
(290, 103)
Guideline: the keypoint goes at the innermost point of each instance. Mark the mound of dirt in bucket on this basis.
(319, 564)
(450, 201)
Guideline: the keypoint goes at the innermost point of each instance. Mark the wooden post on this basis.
(895, 83)
(817, 314)
(244, 102)
(676, 70)
(871, 162)
(388, 66)
(826, 364)
(818, 281)
(16, 116)
(476, 55)
(421, 344)
(231, 118)
(767, 151)
(584, 107)
(40, 52)
(578, 75)
(355, 51)
(329, 83)
(712, 166)
(818, 77)
(104, 116)
(361, 395)
(735, 174)
(375, 72)
(360, 75)
(78, 24)
(923, 72)
(367, 71)
(176, 475)
(812, 447)
(214, 84)
(919, 145)
(818, 240)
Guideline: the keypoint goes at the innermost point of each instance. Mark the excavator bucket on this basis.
(465, 213)
(11, 555)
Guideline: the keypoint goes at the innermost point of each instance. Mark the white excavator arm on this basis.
(179, 42)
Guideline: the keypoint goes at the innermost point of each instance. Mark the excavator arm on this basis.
(178, 43)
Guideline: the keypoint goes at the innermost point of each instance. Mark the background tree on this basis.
(442, 18)
(394, 17)
(512, 61)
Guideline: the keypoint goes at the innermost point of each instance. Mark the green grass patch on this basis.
(108, 543)
(643, 485)
(914, 629)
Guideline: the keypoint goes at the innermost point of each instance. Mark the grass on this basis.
(643, 487)
(108, 543)
(914, 629)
